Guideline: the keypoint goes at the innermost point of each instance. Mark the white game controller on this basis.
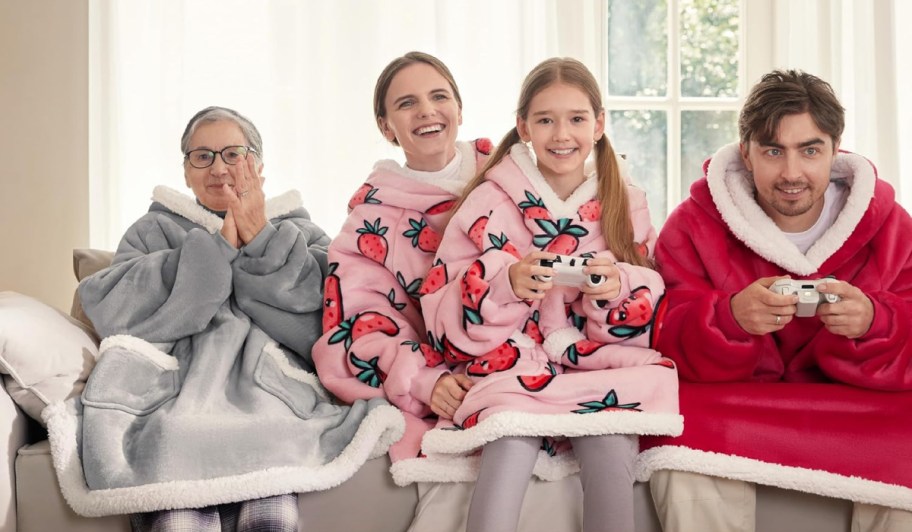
(808, 296)
(568, 271)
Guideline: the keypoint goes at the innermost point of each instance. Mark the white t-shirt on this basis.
(834, 200)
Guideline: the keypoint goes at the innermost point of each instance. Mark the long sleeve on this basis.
(476, 311)
(881, 358)
(699, 331)
(374, 343)
(165, 283)
(278, 281)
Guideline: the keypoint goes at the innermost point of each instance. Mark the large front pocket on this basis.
(300, 390)
(132, 376)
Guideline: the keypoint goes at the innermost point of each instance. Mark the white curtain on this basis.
(304, 72)
(855, 45)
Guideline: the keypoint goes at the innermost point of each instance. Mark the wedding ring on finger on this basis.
(243, 194)
(778, 320)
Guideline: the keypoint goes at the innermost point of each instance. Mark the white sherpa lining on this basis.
(140, 347)
(509, 423)
(298, 374)
(459, 468)
(557, 207)
(187, 206)
(732, 190)
(382, 426)
(793, 478)
(558, 342)
(454, 185)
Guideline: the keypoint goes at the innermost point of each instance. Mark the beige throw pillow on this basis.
(85, 263)
(45, 356)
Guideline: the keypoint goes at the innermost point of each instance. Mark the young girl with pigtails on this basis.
(550, 360)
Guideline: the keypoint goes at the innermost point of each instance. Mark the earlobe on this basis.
(388, 133)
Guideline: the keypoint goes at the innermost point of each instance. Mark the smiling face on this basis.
(562, 127)
(206, 183)
(423, 116)
(791, 172)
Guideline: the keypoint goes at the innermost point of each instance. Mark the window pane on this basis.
(641, 137)
(709, 47)
(637, 44)
(702, 133)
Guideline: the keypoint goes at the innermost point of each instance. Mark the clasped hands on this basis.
(246, 215)
(760, 311)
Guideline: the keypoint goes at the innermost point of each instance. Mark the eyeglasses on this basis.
(203, 158)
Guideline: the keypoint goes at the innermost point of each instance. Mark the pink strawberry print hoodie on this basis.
(374, 342)
(559, 367)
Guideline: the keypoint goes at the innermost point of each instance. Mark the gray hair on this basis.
(215, 114)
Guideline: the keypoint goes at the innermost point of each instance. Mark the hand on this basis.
(449, 391)
(851, 316)
(247, 205)
(524, 285)
(229, 228)
(760, 311)
(610, 288)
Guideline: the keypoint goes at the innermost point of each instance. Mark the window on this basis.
(673, 83)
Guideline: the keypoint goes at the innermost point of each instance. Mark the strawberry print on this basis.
(412, 288)
(470, 421)
(332, 299)
(531, 329)
(371, 242)
(633, 315)
(440, 208)
(453, 356)
(501, 358)
(561, 237)
(432, 357)
(423, 236)
(609, 403)
(434, 280)
(548, 446)
(590, 211)
(361, 324)
(484, 146)
(502, 243)
(364, 194)
(537, 383)
(658, 320)
(477, 232)
(391, 297)
(370, 373)
(534, 208)
(583, 348)
(473, 289)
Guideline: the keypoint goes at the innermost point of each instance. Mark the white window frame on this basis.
(754, 59)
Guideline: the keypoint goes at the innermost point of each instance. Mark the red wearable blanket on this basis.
(830, 439)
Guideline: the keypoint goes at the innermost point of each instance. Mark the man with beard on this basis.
(785, 204)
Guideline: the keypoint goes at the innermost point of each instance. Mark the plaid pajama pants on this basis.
(272, 514)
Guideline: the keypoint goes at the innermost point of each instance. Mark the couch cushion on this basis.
(45, 356)
(85, 263)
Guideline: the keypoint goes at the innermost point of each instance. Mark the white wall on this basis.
(43, 145)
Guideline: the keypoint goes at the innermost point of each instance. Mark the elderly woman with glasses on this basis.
(203, 411)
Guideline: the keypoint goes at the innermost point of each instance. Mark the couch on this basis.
(34, 338)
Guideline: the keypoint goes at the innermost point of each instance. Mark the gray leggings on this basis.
(606, 472)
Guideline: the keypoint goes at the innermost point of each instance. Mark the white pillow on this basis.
(45, 355)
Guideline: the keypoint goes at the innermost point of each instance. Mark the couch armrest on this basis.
(14, 429)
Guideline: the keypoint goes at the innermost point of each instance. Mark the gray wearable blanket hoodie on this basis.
(204, 391)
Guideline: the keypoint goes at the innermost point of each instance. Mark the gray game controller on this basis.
(808, 296)
(568, 271)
